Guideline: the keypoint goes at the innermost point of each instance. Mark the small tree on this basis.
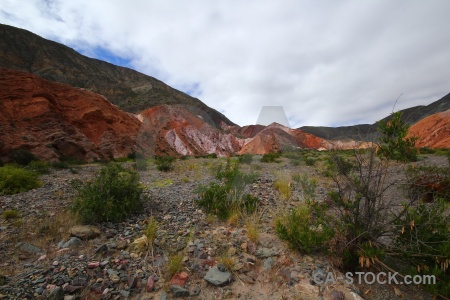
(394, 143)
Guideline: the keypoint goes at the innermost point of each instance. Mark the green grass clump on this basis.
(175, 264)
(10, 214)
(303, 230)
(271, 157)
(113, 195)
(246, 158)
(39, 166)
(227, 197)
(15, 180)
(165, 163)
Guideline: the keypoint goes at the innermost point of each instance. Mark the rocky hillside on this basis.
(130, 90)
(433, 131)
(367, 132)
(54, 120)
(174, 130)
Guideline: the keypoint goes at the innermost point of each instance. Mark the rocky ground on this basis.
(45, 254)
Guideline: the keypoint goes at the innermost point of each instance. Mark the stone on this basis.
(266, 252)
(268, 263)
(93, 264)
(132, 282)
(179, 279)
(71, 289)
(163, 296)
(29, 248)
(56, 294)
(178, 291)
(246, 279)
(195, 291)
(85, 232)
(125, 294)
(72, 242)
(150, 284)
(337, 295)
(218, 278)
(232, 251)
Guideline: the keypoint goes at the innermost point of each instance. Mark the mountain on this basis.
(176, 131)
(367, 132)
(54, 120)
(433, 131)
(130, 90)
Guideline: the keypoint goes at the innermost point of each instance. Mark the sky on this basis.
(325, 62)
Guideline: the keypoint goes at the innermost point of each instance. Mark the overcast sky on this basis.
(326, 62)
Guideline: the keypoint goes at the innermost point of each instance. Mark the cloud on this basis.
(325, 62)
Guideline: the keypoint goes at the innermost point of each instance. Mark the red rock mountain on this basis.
(175, 130)
(433, 131)
(53, 120)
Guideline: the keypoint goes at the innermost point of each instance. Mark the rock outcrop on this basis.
(433, 131)
(176, 131)
(54, 120)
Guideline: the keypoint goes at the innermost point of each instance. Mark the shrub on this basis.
(22, 157)
(165, 163)
(60, 165)
(309, 161)
(10, 214)
(283, 186)
(428, 183)
(423, 240)
(308, 186)
(393, 141)
(175, 264)
(15, 180)
(39, 166)
(271, 157)
(151, 230)
(304, 228)
(227, 196)
(246, 158)
(113, 195)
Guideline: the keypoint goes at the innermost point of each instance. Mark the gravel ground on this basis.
(36, 264)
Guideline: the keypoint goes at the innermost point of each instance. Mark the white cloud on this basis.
(326, 62)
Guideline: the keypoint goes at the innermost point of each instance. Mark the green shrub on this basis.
(393, 141)
(271, 157)
(304, 228)
(227, 197)
(113, 195)
(22, 157)
(309, 161)
(39, 166)
(165, 163)
(423, 240)
(308, 186)
(60, 165)
(246, 158)
(15, 180)
(10, 214)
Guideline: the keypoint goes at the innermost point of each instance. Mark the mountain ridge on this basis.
(130, 90)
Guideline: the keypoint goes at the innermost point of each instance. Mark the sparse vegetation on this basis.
(246, 158)
(15, 180)
(39, 166)
(113, 195)
(227, 196)
(283, 185)
(10, 214)
(251, 226)
(271, 157)
(165, 163)
(304, 228)
(175, 264)
(394, 143)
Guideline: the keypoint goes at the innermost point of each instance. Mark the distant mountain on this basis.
(367, 132)
(128, 89)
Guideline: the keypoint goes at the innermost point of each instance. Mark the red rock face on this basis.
(174, 130)
(52, 120)
(432, 131)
